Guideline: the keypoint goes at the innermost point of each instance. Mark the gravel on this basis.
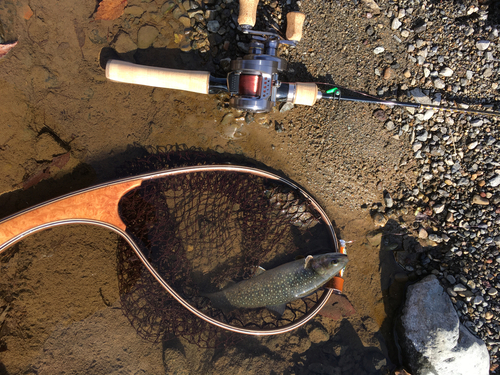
(455, 198)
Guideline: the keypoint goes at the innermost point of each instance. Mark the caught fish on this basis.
(277, 287)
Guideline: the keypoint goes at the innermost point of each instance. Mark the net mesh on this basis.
(202, 230)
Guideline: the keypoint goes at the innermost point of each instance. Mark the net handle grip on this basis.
(187, 80)
(248, 13)
(294, 25)
(95, 204)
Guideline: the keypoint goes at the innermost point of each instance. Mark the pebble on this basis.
(389, 125)
(495, 181)
(478, 199)
(438, 208)
(439, 84)
(378, 50)
(213, 26)
(146, 36)
(379, 219)
(389, 73)
(446, 72)
(396, 23)
(482, 45)
(388, 200)
(478, 300)
(459, 288)
(492, 292)
(124, 43)
(380, 115)
(422, 233)
(286, 107)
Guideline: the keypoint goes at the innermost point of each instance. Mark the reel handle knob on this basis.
(187, 80)
(295, 22)
(248, 13)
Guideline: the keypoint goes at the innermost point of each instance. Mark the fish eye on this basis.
(335, 262)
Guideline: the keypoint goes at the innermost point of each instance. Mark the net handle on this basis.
(99, 206)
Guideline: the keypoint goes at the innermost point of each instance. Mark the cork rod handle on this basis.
(305, 93)
(294, 24)
(187, 80)
(98, 205)
(248, 13)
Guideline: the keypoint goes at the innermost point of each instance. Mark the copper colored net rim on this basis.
(178, 171)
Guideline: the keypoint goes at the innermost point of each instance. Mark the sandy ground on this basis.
(63, 126)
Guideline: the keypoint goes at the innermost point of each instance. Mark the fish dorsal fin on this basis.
(259, 271)
(277, 309)
(307, 261)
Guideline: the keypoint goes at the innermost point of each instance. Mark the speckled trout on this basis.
(277, 287)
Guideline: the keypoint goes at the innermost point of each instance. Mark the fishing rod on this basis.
(253, 81)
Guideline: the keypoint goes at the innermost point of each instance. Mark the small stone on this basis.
(124, 43)
(488, 315)
(477, 199)
(374, 238)
(396, 23)
(27, 12)
(435, 238)
(388, 200)
(492, 292)
(422, 233)
(420, 29)
(482, 45)
(146, 36)
(380, 115)
(286, 107)
(459, 288)
(407, 73)
(438, 208)
(213, 26)
(317, 335)
(439, 84)
(446, 72)
(389, 125)
(166, 7)
(478, 300)
(472, 145)
(495, 181)
(423, 137)
(389, 73)
(186, 21)
(134, 10)
(378, 50)
(379, 219)
(451, 279)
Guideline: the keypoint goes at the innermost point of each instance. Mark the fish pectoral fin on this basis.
(277, 309)
(308, 259)
(259, 271)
